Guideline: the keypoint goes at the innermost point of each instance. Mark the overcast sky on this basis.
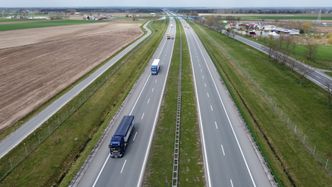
(167, 3)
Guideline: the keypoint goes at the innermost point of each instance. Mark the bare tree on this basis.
(311, 47)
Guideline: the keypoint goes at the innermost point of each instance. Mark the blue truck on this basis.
(119, 141)
(155, 67)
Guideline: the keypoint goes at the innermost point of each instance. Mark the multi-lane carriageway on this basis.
(144, 103)
(230, 158)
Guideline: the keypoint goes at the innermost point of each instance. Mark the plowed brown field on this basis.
(36, 64)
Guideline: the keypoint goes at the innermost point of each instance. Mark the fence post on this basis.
(26, 149)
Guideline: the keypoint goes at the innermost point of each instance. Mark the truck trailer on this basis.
(155, 67)
(119, 141)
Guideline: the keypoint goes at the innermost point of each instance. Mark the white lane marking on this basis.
(205, 158)
(152, 89)
(148, 101)
(155, 121)
(230, 180)
(135, 136)
(140, 94)
(205, 85)
(216, 124)
(208, 95)
(201, 70)
(222, 148)
(230, 123)
(123, 166)
(211, 107)
(102, 168)
(155, 81)
(142, 116)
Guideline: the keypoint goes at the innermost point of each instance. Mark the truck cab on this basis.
(155, 67)
(120, 139)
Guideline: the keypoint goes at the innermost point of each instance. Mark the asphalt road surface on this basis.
(16, 137)
(312, 74)
(230, 158)
(144, 103)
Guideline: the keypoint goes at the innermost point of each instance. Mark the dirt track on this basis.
(36, 64)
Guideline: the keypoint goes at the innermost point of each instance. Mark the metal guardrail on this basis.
(176, 152)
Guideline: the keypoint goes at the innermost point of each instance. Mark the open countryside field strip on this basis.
(32, 74)
(74, 139)
(323, 57)
(159, 168)
(273, 99)
(274, 16)
(38, 24)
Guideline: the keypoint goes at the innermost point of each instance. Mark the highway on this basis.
(16, 137)
(230, 157)
(310, 73)
(144, 103)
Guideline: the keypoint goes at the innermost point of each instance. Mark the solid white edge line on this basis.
(102, 168)
(230, 123)
(155, 122)
(205, 158)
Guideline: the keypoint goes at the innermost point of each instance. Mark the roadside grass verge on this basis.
(39, 24)
(50, 162)
(323, 58)
(273, 99)
(160, 164)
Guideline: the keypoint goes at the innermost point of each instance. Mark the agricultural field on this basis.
(275, 16)
(15, 25)
(36, 64)
(61, 155)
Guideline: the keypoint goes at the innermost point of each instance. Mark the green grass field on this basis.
(159, 167)
(39, 24)
(285, 17)
(323, 57)
(273, 99)
(51, 161)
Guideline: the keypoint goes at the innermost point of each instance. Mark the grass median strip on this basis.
(159, 168)
(286, 114)
(50, 162)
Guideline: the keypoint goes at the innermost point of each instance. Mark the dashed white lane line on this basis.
(152, 89)
(135, 136)
(230, 180)
(155, 81)
(222, 149)
(102, 168)
(216, 124)
(148, 101)
(142, 116)
(205, 85)
(123, 166)
(203, 77)
(211, 107)
(208, 95)
(201, 70)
